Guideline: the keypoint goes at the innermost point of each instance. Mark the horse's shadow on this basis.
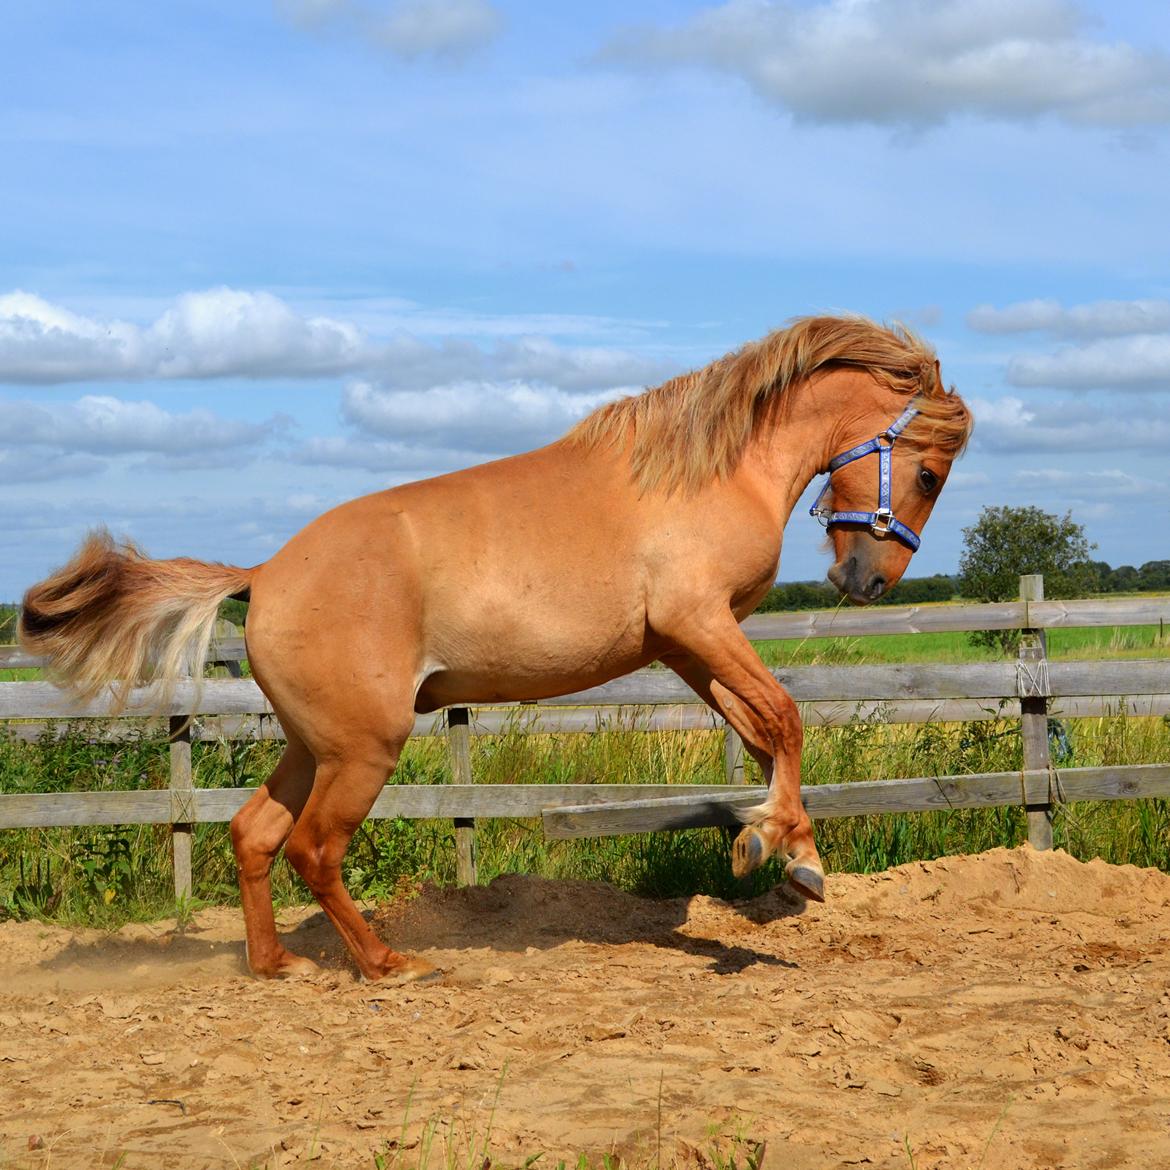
(515, 913)
(509, 915)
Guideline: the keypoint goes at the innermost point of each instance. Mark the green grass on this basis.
(1089, 643)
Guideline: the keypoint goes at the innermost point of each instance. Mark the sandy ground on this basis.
(1008, 1010)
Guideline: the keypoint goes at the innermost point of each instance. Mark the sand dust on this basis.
(1006, 1011)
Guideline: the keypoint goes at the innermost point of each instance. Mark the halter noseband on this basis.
(881, 522)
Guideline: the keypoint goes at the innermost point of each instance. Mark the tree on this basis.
(1006, 543)
(1154, 576)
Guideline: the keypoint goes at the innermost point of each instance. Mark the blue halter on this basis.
(881, 521)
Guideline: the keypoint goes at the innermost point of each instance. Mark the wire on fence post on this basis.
(182, 788)
(1032, 671)
(459, 740)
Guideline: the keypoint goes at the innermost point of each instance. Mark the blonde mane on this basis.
(695, 427)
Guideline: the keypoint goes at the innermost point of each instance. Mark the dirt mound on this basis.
(1007, 1010)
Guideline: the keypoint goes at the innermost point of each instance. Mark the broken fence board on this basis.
(871, 797)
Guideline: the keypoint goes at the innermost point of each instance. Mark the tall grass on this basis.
(104, 876)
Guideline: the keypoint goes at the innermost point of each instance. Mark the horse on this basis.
(646, 533)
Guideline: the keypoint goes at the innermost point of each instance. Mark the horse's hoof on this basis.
(290, 967)
(807, 881)
(412, 970)
(748, 852)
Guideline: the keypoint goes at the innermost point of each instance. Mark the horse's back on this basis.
(517, 579)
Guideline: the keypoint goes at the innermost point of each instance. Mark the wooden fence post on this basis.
(1032, 670)
(459, 740)
(182, 789)
(733, 755)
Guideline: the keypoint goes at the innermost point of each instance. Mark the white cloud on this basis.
(1111, 482)
(42, 342)
(419, 28)
(577, 368)
(488, 417)
(1009, 426)
(407, 29)
(406, 362)
(1138, 363)
(20, 467)
(226, 332)
(217, 333)
(916, 62)
(1096, 319)
(249, 334)
(98, 424)
(964, 480)
(384, 457)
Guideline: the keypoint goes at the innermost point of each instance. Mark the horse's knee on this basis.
(788, 734)
(318, 865)
(256, 838)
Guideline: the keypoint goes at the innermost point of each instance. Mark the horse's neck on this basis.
(793, 442)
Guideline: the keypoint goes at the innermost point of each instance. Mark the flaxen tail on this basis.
(113, 617)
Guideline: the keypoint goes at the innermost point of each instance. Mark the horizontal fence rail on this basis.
(851, 623)
(831, 690)
(1031, 688)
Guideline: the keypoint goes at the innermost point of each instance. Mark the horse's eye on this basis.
(927, 479)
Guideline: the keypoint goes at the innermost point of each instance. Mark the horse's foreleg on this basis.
(343, 793)
(259, 829)
(723, 669)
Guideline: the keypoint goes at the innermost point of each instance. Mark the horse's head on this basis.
(884, 485)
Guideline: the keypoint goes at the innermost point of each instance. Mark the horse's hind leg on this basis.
(344, 790)
(259, 829)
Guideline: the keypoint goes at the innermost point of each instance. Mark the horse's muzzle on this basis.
(857, 581)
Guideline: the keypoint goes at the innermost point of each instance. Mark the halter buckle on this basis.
(883, 519)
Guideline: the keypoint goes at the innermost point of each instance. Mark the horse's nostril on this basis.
(876, 587)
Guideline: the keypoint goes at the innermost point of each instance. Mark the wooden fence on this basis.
(1030, 688)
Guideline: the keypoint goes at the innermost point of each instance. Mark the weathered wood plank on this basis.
(223, 651)
(970, 680)
(182, 803)
(14, 658)
(1137, 676)
(42, 700)
(1033, 656)
(570, 720)
(918, 619)
(459, 743)
(439, 802)
(853, 623)
(51, 809)
(571, 810)
(848, 622)
(871, 797)
(1093, 611)
(841, 684)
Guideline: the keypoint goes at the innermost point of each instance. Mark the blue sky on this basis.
(261, 258)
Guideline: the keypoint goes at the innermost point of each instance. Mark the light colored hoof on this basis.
(749, 851)
(412, 970)
(290, 967)
(807, 880)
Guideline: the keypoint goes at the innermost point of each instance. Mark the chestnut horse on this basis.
(646, 533)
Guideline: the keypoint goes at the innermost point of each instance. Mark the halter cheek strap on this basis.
(881, 522)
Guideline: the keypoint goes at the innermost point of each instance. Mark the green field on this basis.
(1106, 642)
